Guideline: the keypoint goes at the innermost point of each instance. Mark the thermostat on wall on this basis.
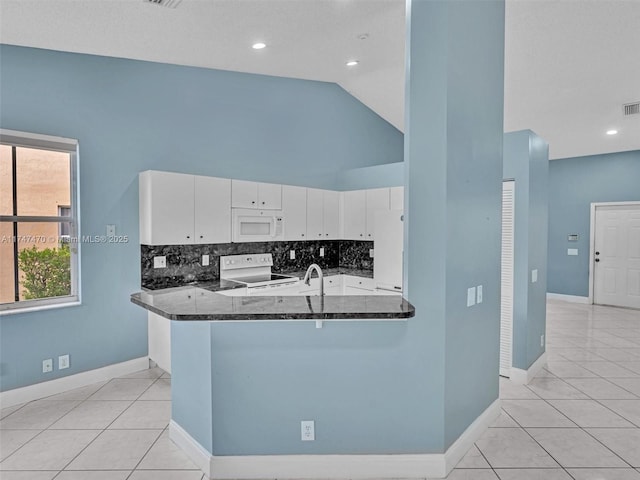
(572, 237)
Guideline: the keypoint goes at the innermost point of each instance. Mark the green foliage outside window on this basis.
(47, 273)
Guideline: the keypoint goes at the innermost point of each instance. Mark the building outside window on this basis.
(38, 221)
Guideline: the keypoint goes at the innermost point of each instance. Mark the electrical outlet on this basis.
(322, 251)
(160, 262)
(205, 260)
(479, 294)
(572, 251)
(534, 275)
(292, 254)
(47, 365)
(63, 362)
(111, 230)
(471, 296)
(307, 430)
(542, 340)
(371, 253)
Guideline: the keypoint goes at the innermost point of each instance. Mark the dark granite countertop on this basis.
(195, 303)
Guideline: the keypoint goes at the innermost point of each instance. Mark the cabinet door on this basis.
(315, 214)
(294, 207)
(377, 199)
(212, 210)
(269, 196)
(355, 214)
(331, 214)
(244, 194)
(171, 205)
(396, 198)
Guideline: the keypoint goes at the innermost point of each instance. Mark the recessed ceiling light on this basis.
(612, 132)
(258, 46)
(352, 63)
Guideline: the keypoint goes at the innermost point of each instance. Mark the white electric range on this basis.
(254, 271)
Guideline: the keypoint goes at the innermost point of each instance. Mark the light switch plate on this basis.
(292, 254)
(63, 362)
(479, 294)
(572, 251)
(471, 297)
(322, 251)
(534, 275)
(205, 260)
(160, 262)
(371, 253)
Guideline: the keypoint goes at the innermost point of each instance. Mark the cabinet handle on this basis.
(361, 235)
(188, 236)
(302, 235)
(263, 203)
(252, 202)
(319, 234)
(201, 236)
(369, 234)
(326, 234)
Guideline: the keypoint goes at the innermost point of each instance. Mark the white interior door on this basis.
(506, 283)
(616, 261)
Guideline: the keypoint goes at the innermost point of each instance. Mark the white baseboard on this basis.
(196, 452)
(60, 385)
(567, 298)
(473, 432)
(523, 377)
(334, 467)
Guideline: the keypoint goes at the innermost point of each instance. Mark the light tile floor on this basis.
(579, 419)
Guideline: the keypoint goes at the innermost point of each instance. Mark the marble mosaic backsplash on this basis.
(184, 261)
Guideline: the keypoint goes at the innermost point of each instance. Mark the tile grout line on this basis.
(104, 429)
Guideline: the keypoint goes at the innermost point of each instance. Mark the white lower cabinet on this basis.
(160, 340)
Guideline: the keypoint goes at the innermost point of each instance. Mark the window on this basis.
(38, 221)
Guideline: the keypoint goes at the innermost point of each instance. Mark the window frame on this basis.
(59, 144)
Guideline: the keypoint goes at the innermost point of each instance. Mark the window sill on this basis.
(16, 310)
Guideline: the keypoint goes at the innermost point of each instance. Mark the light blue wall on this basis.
(574, 183)
(453, 168)
(378, 176)
(526, 161)
(131, 116)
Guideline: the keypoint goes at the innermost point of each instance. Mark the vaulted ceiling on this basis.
(570, 65)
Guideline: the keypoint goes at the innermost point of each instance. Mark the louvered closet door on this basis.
(506, 289)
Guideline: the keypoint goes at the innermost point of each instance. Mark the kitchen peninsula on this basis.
(198, 303)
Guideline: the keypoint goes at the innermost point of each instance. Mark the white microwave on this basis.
(257, 225)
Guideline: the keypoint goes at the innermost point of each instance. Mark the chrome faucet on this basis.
(307, 277)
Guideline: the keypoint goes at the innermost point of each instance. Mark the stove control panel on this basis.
(234, 262)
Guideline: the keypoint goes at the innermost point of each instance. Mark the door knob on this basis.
(597, 259)
(597, 253)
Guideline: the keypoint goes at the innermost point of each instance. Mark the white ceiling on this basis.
(569, 64)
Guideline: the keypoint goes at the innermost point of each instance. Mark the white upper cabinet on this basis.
(315, 214)
(269, 196)
(294, 208)
(179, 209)
(331, 214)
(355, 214)
(212, 210)
(166, 208)
(396, 198)
(359, 207)
(377, 199)
(323, 214)
(246, 194)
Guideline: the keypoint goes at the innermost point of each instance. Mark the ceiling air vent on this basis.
(631, 108)
(164, 3)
